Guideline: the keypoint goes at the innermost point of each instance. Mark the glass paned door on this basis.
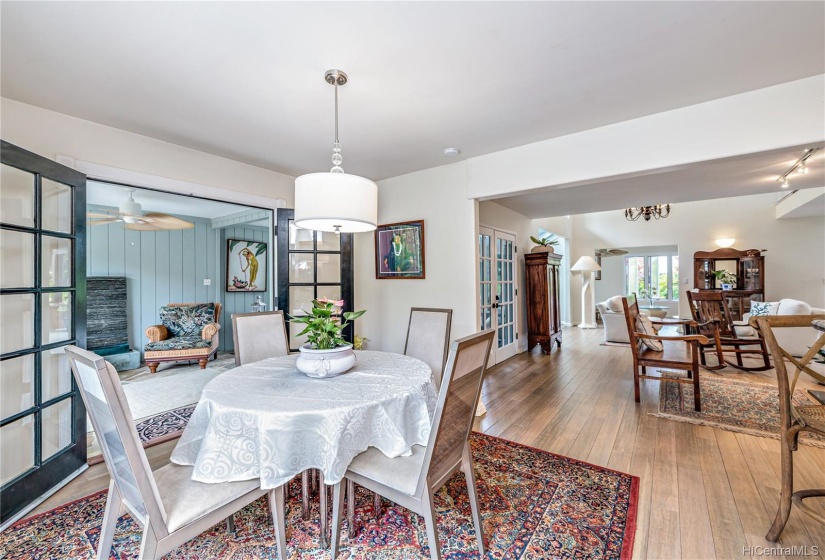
(42, 303)
(498, 290)
(311, 265)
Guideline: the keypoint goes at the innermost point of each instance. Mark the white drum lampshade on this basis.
(336, 202)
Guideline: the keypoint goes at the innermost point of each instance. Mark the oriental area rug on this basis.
(731, 404)
(535, 505)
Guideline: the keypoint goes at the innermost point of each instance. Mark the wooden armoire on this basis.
(542, 286)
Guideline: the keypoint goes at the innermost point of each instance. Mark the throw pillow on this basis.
(614, 304)
(644, 325)
(187, 320)
(760, 308)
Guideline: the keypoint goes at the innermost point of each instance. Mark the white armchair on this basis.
(795, 340)
(615, 325)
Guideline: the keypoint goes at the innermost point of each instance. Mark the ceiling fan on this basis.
(132, 216)
(610, 252)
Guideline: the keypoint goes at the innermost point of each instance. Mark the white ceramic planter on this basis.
(325, 363)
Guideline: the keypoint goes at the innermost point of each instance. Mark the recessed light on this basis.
(451, 152)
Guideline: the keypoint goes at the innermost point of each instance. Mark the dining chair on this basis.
(413, 481)
(794, 419)
(258, 336)
(713, 318)
(428, 338)
(657, 351)
(168, 505)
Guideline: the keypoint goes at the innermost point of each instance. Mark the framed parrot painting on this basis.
(399, 251)
(245, 266)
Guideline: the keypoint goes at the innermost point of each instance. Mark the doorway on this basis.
(498, 290)
(43, 306)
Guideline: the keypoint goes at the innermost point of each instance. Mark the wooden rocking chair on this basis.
(713, 319)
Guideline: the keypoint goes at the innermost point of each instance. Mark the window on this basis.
(654, 276)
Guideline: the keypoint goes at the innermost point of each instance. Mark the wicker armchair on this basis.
(188, 331)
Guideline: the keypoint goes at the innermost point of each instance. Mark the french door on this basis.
(43, 308)
(498, 290)
(311, 265)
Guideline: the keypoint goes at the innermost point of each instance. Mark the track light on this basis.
(800, 166)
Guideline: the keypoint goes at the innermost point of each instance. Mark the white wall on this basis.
(794, 261)
(51, 134)
(439, 197)
(495, 216)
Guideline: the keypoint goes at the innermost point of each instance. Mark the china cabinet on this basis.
(749, 268)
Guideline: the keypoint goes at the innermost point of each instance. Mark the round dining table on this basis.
(269, 421)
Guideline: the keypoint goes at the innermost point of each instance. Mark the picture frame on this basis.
(246, 266)
(399, 251)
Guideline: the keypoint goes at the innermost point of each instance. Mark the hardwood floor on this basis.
(704, 493)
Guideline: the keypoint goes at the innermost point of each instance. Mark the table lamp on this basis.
(586, 265)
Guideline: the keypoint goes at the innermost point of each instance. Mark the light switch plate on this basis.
(207, 281)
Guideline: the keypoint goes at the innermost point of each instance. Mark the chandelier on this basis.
(647, 212)
(336, 201)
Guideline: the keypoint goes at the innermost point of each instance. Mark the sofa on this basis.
(615, 325)
(795, 340)
(188, 331)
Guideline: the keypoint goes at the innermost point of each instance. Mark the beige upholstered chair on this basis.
(170, 507)
(428, 337)
(259, 336)
(188, 331)
(413, 481)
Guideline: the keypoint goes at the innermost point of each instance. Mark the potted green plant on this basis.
(726, 279)
(326, 353)
(543, 245)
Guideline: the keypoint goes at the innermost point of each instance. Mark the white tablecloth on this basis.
(269, 421)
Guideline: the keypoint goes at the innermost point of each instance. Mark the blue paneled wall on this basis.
(169, 267)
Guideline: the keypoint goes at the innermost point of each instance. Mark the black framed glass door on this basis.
(311, 265)
(43, 308)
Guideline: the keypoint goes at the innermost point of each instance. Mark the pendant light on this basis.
(336, 201)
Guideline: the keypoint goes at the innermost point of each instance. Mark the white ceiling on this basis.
(245, 79)
(107, 194)
(748, 175)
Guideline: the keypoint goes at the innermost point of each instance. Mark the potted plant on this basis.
(543, 245)
(726, 279)
(326, 353)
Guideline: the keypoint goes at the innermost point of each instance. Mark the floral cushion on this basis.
(187, 320)
(179, 343)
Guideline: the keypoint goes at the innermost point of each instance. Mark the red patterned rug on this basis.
(534, 505)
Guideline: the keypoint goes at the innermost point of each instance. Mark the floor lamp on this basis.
(587, 266)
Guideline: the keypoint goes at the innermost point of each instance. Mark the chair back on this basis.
(428, 338)
(710, 311)
(259, 336)
(631, 315)
(114, 427)
(457, 401)
(766, 325)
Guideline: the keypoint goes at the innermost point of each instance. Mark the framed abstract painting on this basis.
(399, 251)
(245, 266)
